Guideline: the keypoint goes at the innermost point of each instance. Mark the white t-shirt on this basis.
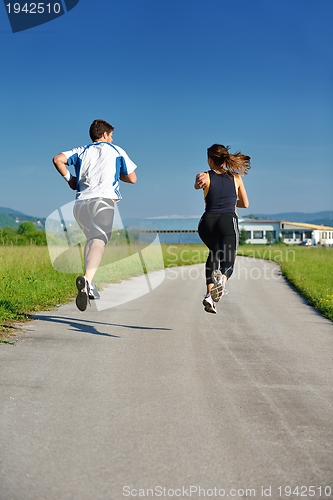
(98, 167)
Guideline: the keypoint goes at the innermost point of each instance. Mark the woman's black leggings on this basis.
(219, 232)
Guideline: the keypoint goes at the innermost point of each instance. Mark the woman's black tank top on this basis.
(221, 197)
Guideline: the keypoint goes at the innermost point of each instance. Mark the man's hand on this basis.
(72, 183)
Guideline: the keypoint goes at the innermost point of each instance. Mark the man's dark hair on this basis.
(97, 129)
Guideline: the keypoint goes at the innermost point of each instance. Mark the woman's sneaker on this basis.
(209, 305)
(83, 289)
(218, 289)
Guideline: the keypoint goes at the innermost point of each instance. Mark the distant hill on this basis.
(324, 222)
(6, 210)
(13, 218)
(7, 221)
(325, 218)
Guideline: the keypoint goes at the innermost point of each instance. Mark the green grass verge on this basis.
(29, 283)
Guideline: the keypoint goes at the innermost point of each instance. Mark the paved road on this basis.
(155, 394)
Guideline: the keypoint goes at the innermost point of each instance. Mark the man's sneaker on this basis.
(94, 293)
(83, 290)
(218, 289)
(209, 305)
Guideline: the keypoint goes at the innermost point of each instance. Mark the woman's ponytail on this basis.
(236, 164)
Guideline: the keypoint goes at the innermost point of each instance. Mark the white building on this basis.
(293, 233)
(260, 231)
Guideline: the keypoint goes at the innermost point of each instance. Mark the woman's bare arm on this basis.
(243, 201)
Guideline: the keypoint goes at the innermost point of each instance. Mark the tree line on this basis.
(25, 234)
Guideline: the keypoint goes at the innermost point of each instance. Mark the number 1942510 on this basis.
(34, 8)
(305, 491)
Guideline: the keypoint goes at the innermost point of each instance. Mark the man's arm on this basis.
(60, 163)
(130, 178)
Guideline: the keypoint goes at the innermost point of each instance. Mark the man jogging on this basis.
(99, 167)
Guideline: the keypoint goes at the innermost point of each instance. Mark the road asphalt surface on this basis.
(155, 398)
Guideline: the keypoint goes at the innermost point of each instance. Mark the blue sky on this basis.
(173, 77)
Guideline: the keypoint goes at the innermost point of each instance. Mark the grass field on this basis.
(29, 283)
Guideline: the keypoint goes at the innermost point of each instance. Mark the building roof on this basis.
(306, 225)
(175, 223)
(166, 217)
(259, 221)
(287, 224)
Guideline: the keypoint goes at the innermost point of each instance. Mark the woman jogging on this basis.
(218, 227)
